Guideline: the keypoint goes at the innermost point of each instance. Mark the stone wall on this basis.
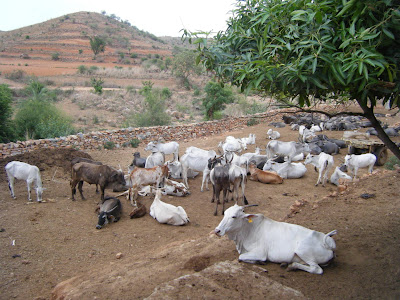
(96, 140)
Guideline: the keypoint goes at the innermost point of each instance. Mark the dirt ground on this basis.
(56, 244)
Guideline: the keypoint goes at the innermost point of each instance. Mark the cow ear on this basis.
(249, 217)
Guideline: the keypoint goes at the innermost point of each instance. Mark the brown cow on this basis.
(103, 175)
(82, 159)
(263, 176)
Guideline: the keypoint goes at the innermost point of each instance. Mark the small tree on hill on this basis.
(312, 51)
(216, 98)
(97, 44)
(6, 124)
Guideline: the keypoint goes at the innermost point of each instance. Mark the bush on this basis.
(16, 75)
(134, 143)
(55, 56)
(393, 160)
(166, 93)
(252, 122)
(6, 124)
(109, 145)
(82, 69)
(97, 84)
(216, 98)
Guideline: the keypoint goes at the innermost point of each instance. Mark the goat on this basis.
(23, 171)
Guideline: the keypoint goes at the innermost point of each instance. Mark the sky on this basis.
(159, 17)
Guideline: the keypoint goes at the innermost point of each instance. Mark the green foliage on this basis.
(109, 145)
(80, 51)
(27, 37)
(134, 55)
(216, 98)
(82, 69)
(55, 56)
(153, 113)
(393, 160)
(166, 93)
(95, 119)
(97, 84)
(97, 44)
(134, 143)
(7, 133)
(252, 122)
(184, 65)
(38, 118)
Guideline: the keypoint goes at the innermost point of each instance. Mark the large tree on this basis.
(312, 50)
(97, 44)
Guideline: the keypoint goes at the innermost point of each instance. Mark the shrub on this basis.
(97, 84)
(95, 119)
(134, 143)
(252, 122)
(216, 98)
(82, 69)
(55, 56)
(16, 75)
(134, 55)
(393, 160)
(6, 123)
(109, 145)
(80, 51)
(166, 93)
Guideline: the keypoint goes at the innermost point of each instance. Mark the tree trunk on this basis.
(369, 114)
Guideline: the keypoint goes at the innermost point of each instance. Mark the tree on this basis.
(184, 65)
(312, 51)
(97, 44)
(216, 98)
(6, 124)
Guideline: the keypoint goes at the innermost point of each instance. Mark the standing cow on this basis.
(103, 175)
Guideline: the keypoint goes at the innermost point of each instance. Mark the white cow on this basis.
(167, 213)
(286, 170)
(354, 162)
(250, 140)
(289, 149)
(323, 162)
(232, 144)
(23, 171)
(259, 239)
(166, 148)
(155, 159)
(273, 135)
(338, 174)
(196, 162)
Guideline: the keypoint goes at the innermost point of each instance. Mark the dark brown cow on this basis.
(103, 175)
(82, 159)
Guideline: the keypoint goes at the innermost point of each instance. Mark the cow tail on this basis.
(328, 242)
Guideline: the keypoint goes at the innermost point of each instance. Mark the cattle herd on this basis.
(228, 169)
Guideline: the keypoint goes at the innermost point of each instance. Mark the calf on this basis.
(110, 209)
(103, 175)
(90, 161)
(167, 213)
(338, 174)
(354, 162)
(166, 148)
(170, 187)
(219, 177)
(259, 239)
(141, 177)
(273, 135)
(323, 162)
(289, 149)
(23, 171)
(263, 176)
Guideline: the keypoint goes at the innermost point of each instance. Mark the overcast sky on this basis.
(159, 17)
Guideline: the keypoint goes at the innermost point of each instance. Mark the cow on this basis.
(170, 187)
(103, 175)
(29, 173)
(263, 176)
(219, 177)
(175, 170)
(232, 144)
(354, 162)
(140, 177)
(110, 209)
(286, 170)
(167, 213)
(289, 149)
(82, 159)
(328, 147)
(250, 140)
(138, 161)
(259, 239)
(323, 162)
(273, 135)
(338, 174)
(166, 148)
(155, 159)
(197, 162)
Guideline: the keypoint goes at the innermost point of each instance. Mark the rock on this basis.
(118, 255)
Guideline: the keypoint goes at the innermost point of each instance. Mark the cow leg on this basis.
(355, 172)
(213, 196)
(225, 200)
(102, 194)
(185, 178)
(28, 183)
(319, 178)
(205, 177)
(80, 184)
(97, 188)
(11, 185)
(73, 184)
(253, 257)
(370, 168)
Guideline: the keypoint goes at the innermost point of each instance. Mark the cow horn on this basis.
(250, 205)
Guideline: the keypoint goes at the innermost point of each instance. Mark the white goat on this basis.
(354, 162)
(273, 135)
(338, 174)
(23, 171)
(167, 213)
(323, 162)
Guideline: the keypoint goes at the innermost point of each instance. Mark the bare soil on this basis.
(43, 245)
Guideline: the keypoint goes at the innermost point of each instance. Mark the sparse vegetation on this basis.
(16, 75)
(97, 84)
(109, 145)
(391, 162)
(55, 56)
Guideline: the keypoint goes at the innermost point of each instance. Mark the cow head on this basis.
(117, 180)
(39, 192)
(175, 169)
(151, 147)
(103, 219)
(234, 218)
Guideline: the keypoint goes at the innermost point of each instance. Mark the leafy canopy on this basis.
(216, 98)
(310, 48)
(97, 44)
(6, 124)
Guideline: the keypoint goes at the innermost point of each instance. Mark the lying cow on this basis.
(259, 239)
(263, 176)
(167, 213)
(103, 175)
(109, 210)
(337, 175)
(171, 187)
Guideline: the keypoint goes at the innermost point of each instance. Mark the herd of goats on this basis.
(228, 172)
